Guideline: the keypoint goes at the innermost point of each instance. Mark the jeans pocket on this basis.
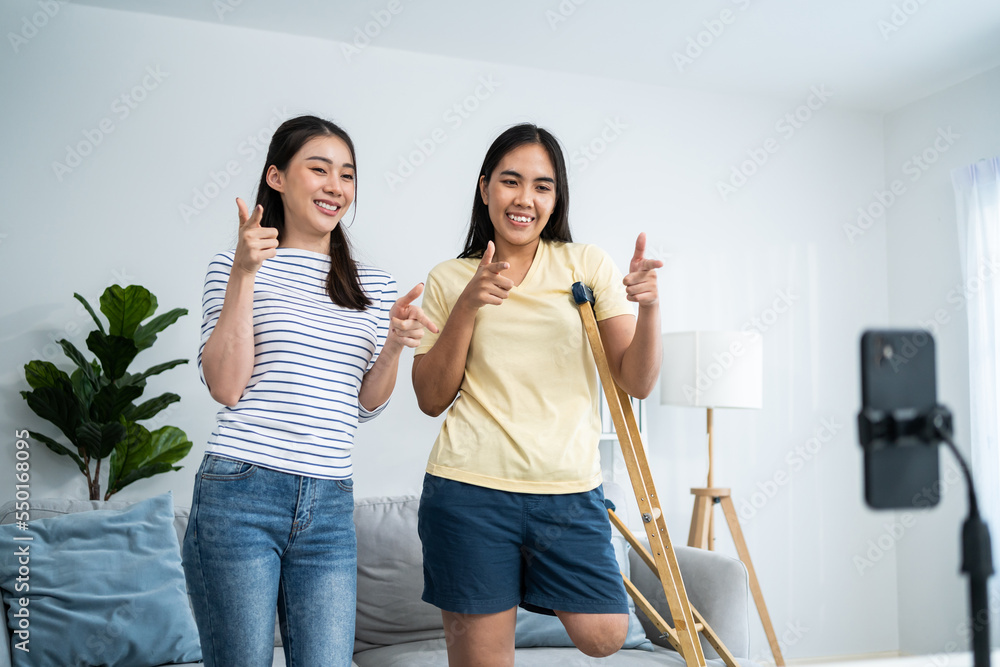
(222, 469)
(346, 485)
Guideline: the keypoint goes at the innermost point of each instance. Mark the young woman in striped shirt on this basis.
(300, 343)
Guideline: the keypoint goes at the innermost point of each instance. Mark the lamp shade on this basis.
(713, 369)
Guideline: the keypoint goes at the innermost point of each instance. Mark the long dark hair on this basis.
(342, 284)
(481, 227)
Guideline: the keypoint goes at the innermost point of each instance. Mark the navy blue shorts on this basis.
(486, 551)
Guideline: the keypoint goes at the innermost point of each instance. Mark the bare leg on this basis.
(480, 640)
(597, 635)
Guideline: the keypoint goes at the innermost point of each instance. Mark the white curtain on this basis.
(977, 200)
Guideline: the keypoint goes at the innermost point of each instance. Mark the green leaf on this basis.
(99, 440)
(58, 405)
(157, 369)
(145, 334)
(59, 449)
(118, 459)
(115, 352)
(129, 379)
(90, 310)
(132, 462)
(84, 387)
(111, 401)
(77, 357)
(150, 408)
(126, 308)
(169, 445)
(43, 374)
(140, 473)
(131, 452)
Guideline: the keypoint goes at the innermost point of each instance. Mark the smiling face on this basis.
(316, 189)
(520, 196)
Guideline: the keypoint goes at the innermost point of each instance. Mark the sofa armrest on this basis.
(718, 587)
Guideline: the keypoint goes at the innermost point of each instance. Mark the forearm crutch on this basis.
(663, 559)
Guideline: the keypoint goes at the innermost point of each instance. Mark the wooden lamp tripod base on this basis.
(702, 536)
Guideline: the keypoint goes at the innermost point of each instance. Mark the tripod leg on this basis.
(710, 542)
(741, 548)
(698, 537)
(980, 621)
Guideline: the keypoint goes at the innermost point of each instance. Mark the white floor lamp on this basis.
(717, 369)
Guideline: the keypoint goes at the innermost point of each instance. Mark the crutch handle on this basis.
(582, 294)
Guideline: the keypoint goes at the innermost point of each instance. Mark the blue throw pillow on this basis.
(103, 587)
(541, 630)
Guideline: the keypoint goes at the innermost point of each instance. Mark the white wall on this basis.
(115, 218)
(927, 288)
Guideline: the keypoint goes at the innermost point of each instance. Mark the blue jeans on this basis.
(259, 540)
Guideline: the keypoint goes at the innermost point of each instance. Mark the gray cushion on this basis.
(390, 575)
(716, 585)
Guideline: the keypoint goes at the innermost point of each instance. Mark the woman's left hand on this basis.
(640, 283)
(406, 321)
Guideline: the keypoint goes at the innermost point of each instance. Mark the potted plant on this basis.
(95, 407)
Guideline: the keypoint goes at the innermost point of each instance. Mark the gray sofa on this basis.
(396, 628)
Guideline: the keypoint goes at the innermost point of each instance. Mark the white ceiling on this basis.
(769, 47)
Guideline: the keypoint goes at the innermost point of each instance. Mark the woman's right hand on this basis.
(255, 243)
(489, 285)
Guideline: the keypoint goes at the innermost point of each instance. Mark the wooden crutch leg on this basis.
(701, 625)
(634, 454)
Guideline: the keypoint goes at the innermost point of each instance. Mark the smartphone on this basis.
(898, 378)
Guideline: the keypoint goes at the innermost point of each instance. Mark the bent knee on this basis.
(606, 640)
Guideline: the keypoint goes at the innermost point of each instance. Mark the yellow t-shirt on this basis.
(526, 417)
